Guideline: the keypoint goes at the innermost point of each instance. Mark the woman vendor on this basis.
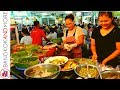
(73, 38)
(105, 41)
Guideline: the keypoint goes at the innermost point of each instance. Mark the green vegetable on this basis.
(25, 62)
(25, 59)
(23, 65)
(20, 54)
(34, 49)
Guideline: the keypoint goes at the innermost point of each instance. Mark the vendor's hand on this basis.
(103, 63)
(67, 46)
(70, 48)
(94, 58)
(102, 67)
(73, 45)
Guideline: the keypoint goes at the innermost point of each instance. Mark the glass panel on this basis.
(51, 21)
(45, 20)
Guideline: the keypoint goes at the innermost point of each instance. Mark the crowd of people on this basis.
(56, 31)
(102, 41)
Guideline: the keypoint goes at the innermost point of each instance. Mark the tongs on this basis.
(97, 65)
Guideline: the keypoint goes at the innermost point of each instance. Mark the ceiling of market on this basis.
(40, 13)
(57, 13)
(46, 13)
(49, 12)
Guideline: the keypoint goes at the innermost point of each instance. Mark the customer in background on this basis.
(52, 34)
(37, 34)
(26, 39)
(105, 41)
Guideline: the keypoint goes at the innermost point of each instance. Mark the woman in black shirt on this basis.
(105, 41)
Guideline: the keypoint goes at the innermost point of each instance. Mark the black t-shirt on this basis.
(105, 45)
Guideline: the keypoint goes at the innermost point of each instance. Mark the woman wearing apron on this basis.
(73, 38)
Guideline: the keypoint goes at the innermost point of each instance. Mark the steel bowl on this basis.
(40, 71)
(81, 71)
(110, 74)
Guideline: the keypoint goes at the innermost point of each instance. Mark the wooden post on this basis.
(16, 33)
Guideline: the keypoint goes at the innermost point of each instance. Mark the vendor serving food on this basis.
(105, 41)
(73, 37)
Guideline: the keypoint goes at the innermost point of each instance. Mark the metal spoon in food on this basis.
(89, 76)
(97, 65)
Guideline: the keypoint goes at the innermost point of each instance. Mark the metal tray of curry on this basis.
(84, 72)
(110, 74)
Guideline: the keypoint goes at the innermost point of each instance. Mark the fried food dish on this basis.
(70, 65)
(58, 61)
